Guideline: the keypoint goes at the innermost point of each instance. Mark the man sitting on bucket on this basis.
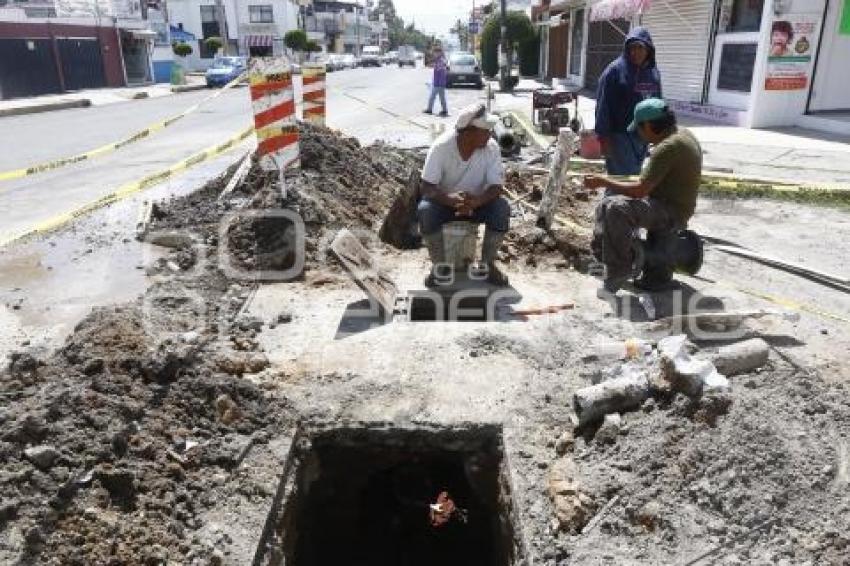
(664, 197)
(462, 180)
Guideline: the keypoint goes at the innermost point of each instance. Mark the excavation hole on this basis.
(363, 496)
(482, 304)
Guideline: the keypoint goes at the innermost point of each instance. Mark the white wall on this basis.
(771, 108)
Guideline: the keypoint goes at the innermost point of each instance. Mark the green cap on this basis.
(648, 110)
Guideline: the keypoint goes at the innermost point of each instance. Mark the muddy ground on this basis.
(120, 446)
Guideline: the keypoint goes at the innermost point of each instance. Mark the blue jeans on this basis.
(435, 90)
(496, 215)
(626, 154)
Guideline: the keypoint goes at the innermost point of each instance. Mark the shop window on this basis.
(737, 16)
(577, 42)
(737, 61)
(261, 14)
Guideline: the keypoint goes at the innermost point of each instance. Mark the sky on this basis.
(437, 16)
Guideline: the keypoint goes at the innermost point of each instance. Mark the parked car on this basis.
(225, 69)
(464, 69)
(349, 61)
(406, 56)
(391, 57)
(370, 56)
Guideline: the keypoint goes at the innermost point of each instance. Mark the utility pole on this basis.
(221, 17)
(505, 52)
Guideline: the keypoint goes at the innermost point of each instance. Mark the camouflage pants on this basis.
(618, 219)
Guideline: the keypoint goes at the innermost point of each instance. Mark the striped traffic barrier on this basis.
(273, 101)
(313, 76)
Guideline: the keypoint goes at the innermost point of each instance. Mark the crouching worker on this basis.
(462, 180)
(663, 198)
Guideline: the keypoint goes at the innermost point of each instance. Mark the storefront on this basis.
(754, 63)
(562, 36)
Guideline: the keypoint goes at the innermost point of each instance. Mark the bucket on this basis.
(589, 148)
(459, 239)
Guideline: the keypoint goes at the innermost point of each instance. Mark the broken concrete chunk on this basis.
(41, 457)
(691, 376)
(565, 443)
(614, 396)
(170, 239)
(607, 433)
(742, 357)
(227, 410)
(572, 506)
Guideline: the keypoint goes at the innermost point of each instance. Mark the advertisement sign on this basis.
(789, 60)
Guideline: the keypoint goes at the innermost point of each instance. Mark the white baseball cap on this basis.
(476, 115)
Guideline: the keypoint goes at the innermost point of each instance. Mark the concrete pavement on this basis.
(790, 155)
(94, 97)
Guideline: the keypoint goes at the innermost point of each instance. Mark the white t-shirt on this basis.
(445, 168)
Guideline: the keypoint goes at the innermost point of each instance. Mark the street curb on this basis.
(187, 88)
(48, 107)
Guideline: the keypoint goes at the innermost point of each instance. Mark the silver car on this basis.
(464, 69)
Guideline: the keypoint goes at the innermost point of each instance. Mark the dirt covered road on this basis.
(208, 421)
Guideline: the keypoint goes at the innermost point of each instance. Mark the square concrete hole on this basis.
(361, 496)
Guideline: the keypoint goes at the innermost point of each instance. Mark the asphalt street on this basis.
(384, 103)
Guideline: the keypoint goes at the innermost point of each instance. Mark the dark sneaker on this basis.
(427, 112)
(610, 287)
(444, 114)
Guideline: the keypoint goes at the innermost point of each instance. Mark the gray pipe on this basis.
(507, 139)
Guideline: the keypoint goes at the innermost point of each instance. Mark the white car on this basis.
(464, 69)
(371, 56)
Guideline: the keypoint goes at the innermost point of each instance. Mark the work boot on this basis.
(489, 251)
(436, 252)
(444, 114)
(426, 111)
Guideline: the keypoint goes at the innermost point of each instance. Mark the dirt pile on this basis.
(568, 241)
(763, 483)
(114, 446)
(341, 184)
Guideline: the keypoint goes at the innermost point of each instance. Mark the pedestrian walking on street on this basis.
(438, 83)
(630, 78)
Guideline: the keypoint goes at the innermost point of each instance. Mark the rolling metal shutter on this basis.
(681, 30)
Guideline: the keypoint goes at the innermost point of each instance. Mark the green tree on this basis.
(296, 40)
(181, 49)
(521, 36)
(312, 46)
(213, 44)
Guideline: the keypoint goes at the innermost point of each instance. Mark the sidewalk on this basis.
(793, 155)
(94, 97)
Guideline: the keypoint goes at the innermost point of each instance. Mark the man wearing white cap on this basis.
(462, 180)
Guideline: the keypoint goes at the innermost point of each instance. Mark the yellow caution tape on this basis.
(109, 148)
(128, 189)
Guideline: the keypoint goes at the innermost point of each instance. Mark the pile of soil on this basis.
(568, 241)
(765, 483)
(341, 184)
(114, 445)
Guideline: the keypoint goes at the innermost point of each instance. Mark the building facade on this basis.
(344, 27)
(754, 63)
(49, 47)
(251, 28)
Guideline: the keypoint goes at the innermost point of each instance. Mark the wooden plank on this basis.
(374, 281)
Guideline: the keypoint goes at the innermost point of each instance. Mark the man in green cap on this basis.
(664, 197)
